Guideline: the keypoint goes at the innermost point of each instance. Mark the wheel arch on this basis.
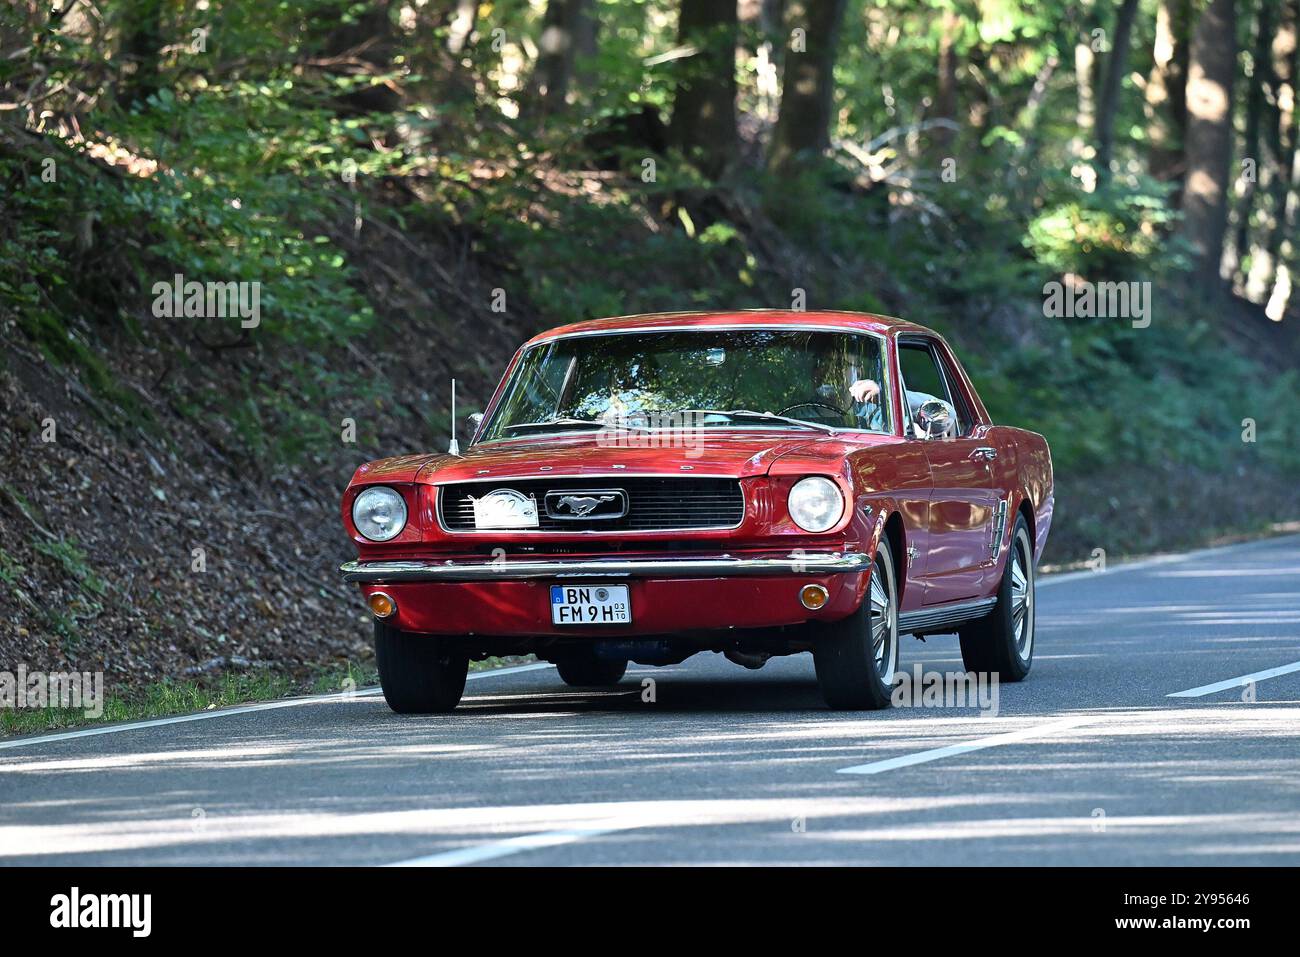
(1026, 509)
(896, 534)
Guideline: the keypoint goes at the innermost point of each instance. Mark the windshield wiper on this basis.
(567, 424)
(762, 417)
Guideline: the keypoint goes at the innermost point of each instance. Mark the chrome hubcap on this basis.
(883, 621)
(1022, 597)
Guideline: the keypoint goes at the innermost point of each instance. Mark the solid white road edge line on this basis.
(1236, 682)
(512, 845)
(241, 709)
(1144, 563)
(979, 744)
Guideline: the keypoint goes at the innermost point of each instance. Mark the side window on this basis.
(923, 378)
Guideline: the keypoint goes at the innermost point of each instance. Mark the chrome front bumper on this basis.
(721, 566)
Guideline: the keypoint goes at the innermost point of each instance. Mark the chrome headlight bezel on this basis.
(815, 504)
(367, 506)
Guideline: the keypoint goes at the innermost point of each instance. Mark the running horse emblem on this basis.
(583, 505)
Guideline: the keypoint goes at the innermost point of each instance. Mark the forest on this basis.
(413, 187)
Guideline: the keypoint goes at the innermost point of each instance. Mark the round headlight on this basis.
(816, 504)
(379, 513)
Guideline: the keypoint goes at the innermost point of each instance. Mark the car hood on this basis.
(737, 453)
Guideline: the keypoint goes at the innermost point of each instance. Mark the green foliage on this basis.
(259, 154)
(10, 568)
(41, 194)
(73, 561)
(244, 181)
(1112, 232)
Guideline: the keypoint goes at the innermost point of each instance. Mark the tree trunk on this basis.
(567, 28)
(461, 26)
(457, 86)
(586, 42)
(1085, 107)
(807, 87)
(17, 28)
(1116, 65)
(979, 98)
(364, 47)
(1027, 154)
(1166, 92)
(1251, 141)
(1209, 136)
(762, 23)
(141, 46)
(945, 98)
(1280, 244)
(703, 124)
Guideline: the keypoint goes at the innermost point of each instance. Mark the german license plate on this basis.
(590, 605)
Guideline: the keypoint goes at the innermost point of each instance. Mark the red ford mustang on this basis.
(751, 483)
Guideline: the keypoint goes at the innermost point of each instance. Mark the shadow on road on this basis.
(675, 694)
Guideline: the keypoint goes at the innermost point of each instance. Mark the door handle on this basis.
(985, 453)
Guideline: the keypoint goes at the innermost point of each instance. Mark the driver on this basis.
(867, 407)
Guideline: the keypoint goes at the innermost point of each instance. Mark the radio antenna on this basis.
(453, 447)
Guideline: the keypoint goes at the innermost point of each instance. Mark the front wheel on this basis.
(419, 674)
(856, 658)
(1002, 642)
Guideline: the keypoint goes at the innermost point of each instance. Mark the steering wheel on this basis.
(815, 405)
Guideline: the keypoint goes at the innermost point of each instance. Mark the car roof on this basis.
(849, 321)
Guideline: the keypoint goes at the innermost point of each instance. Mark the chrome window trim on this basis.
(932, 344)
(775, 427)
(724, 327)
(882, 338)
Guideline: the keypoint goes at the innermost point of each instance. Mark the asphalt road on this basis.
(1090, 761)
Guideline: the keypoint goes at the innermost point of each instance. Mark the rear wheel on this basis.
(419, 674)
(584, 670)
(856, 658)
(1002, 642)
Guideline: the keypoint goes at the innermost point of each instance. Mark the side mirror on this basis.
(934, 419)
(474, 421)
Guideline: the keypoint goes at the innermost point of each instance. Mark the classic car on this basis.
(754, 483)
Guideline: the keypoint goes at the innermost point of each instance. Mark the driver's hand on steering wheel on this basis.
(865, 390)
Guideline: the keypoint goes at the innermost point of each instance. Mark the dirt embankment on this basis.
(146, 541)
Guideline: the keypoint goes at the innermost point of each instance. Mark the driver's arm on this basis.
(914, 402)
(865, 390)
(867, 408)
(916, 399)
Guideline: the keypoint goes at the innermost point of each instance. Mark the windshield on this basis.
(711, 378)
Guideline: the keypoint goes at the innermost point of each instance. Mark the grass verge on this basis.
(164, 699)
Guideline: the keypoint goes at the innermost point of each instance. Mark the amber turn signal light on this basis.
(813, 596)
(381, 605)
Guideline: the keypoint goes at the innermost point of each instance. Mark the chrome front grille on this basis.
(653, 504)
